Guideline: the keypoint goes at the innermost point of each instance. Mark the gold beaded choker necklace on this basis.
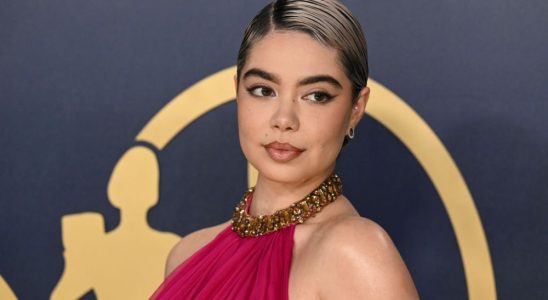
(251, 226)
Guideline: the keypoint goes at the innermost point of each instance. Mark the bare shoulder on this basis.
(361, 261)
(191, 243)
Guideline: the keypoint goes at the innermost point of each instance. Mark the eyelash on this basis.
(325, 97)
(252, 89)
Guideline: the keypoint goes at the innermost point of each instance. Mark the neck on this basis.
(270, 195)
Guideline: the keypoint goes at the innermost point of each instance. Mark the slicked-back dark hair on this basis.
(327, 21)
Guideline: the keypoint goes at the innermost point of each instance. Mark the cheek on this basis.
(249, 123)
(245, 117)
(330, 128)
(242, 123)
(243, 130)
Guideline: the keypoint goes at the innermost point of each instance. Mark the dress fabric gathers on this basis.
(234, 267)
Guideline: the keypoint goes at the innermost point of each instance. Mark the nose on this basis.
(285, 118)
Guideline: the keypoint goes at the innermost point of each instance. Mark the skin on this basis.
(294, 90)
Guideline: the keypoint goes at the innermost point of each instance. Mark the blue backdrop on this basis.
(79, 80)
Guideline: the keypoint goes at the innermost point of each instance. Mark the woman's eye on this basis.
(262, 91)
(319, 97)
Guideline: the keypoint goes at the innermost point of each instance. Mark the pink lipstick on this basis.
(282, 152)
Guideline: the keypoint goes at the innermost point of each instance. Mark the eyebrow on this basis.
(262, 74)
(309, 80)
(321, 78)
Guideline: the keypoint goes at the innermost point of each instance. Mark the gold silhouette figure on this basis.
(128, 262)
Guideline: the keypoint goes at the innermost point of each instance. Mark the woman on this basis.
(301, 88)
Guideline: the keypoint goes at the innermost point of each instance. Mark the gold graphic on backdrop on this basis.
(92, 257)
(128, 262)
(5, 291)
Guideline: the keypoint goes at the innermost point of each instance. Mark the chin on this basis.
(286, 173)
(283, 174)
(274, 171)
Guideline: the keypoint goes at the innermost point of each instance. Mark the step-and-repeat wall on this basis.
(119, 136)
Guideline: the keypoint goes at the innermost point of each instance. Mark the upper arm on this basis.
(367, 264)
(176, 256)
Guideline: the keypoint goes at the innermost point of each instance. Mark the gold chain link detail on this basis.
(246, 225)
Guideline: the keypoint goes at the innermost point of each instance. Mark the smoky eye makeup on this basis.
(315, 97)
(318, 97)
(260, 91)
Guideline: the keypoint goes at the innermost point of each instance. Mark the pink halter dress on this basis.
(234, 267)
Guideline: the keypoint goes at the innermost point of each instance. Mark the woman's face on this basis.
(294, 107)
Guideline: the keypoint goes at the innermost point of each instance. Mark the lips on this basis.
(282, 152)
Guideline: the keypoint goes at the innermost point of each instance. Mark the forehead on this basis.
(294, 55)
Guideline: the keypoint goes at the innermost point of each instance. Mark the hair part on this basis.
(327, 21)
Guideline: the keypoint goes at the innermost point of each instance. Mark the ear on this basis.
(358, 108)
